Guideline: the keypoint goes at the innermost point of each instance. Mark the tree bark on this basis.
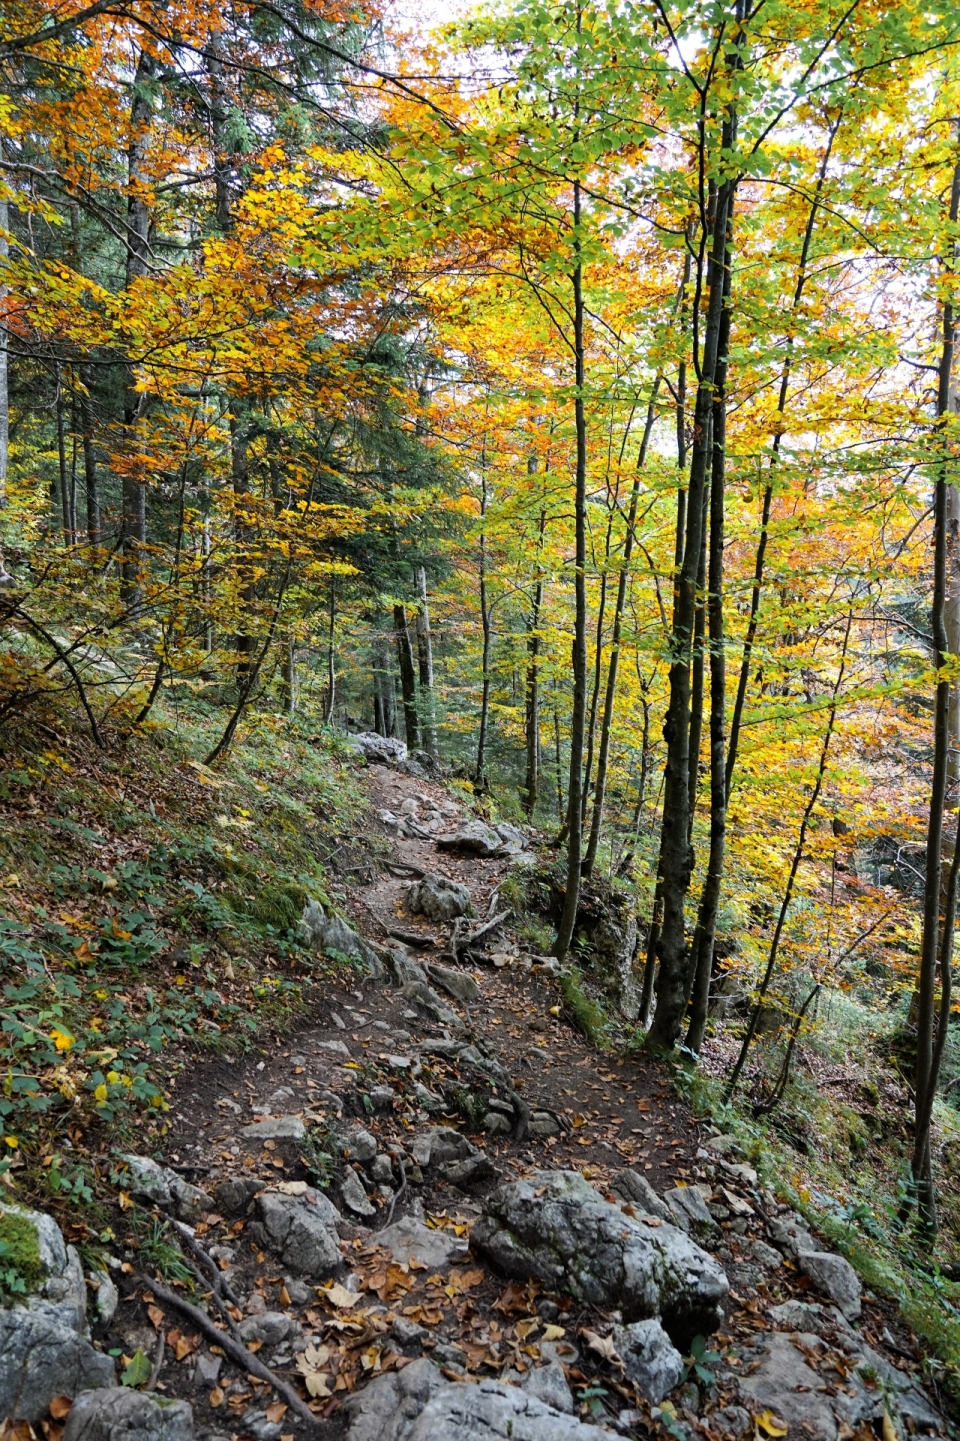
(91, 478)
(568, 916)
(408, 681)
(480, 774)
(531, 783)
(428, 699)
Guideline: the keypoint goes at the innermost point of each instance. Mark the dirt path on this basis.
(364, 1037)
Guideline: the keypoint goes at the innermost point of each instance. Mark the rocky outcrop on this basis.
(329, 933)
(557, 1228)
(473, 838)
(302, 1230)
(372, 747)
(120, 1414)
(411, 1238)
(159, 1186)
(417, 1404)
(438, 898)
(650, 1359)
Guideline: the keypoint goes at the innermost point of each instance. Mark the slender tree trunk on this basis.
(428, 699)
(932, 949)
(704, 937)
(558, 758)
(597, 674)
(677, 852)
(697, 664)
(480, 775)
(408, 680)
(289, 675)
(531, 783)
(568, 918)
(133, 520)
(331, 696)
(240, 479)
(91, 478)
(609, 700)
(62, 461)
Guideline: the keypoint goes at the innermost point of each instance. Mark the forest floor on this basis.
(622, 1110)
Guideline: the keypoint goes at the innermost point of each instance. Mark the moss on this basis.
(587, 1014)
(19, 1253)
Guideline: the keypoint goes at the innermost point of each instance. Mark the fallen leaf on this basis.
(770, 1424)
(603, 1345)
(553, 1333)
(60, 1407)
(276, 1411)
(339, 1296)
(156, 1316)
(216, 1397)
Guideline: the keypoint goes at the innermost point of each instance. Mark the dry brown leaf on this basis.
(276, 1411)
(340, 1297)
(216, 1397)
(60, 1407)
(603, 1345)
(156, 1316)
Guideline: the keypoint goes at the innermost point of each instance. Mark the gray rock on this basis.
(60, 1291)
(408, 1336)
(731, 1420)
(159, 1186)
(281, 1097)
(377, 748)
(409, 1237)
(556, 1227)
(471, 1172)
(775, 1369)
(438, 898)
(473, 838)
(650, 1359)
(426, 997)
(336, 1048)
(303, 1231)
(689, 1211)
(43, 1355)
(298, 1292)
(549, 1385)
(234, 1195)
(790, 1236)
(764, 1255)
(382, 1098)
(404, 970)
(255, 1424)
(108, 1297)
(359, 1144)
(511, 834)
(417, 1404)
(447, 1355)
(207, 1370)
(636, 1189)
(381, 1168)
(437, 1145)
(277, 1128)
(542, 1123)
(270, 1327)
(354, 1196)
(496, 1124)
(835, 1277)
(330, 933)
(796, 1316)
(458, 984)
(121, 1414)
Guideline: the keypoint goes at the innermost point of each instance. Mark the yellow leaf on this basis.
(770, 1424)
(101, 1092)
(216, 1397)
(339, 1296)
(889, 1430)
(553, 1333)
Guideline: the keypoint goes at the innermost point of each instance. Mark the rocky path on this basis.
(436, 1212)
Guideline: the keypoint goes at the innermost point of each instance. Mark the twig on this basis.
(400, 1190)
(220, 1282)
(157, 1363)
(232, 1348)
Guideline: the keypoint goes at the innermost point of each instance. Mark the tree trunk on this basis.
(531, 783)
(408, 680)
(289, 673)
(591, 724)
(133, 519)
(932, 949)
(676, 850)
(568, 917)
(706, 929)
(697, 664)
(91, 478)
(331, 696)
(480, 775)
(62, 461)
(428, 699)
(609, 700)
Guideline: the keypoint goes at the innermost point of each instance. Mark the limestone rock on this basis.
(510, 835)
(276, 1128)
(471, 1172)
(458, 984)
(635, 1188)
(270, 1328)
(410, 1237)
(58, 1288)
(438, 1145)
(417, 1404)
(234, 1195)
(303, 1231)
(495, 1123)
(377, 748)
(790, 1236)
(543, 1123)
(558, 1229)
(330, 933)
(549, 1385)
(41, 1356)
(438, 898)
(359, 1144)
(159, 1186)
(650, 1359)
(108, 1297)
(834, 1277)
(354, 1196)
(473, 838)
(689, 1211)
(121, 1414)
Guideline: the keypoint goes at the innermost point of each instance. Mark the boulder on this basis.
(359, 1144)
(377, 748)
(834, 1277)
(458, 984)
(495, 1123)
(302, 1230)
(558, 1229)
(790, 1236)
(438, 898)
(510, 835)
(471, 1172)
(549, 1385)
(636, 1189)
(438, 1145)
(41, 1356)
(417, 1404)
(276, 1128)
(543, 1123)
(121, 1414)
(473, 838)
(269, 1328)
(410, 1237)
(650, 1359)
(234, 1195)
(159, 1186)
(688, 1210)
(354, 1196)
(50, 1269)
(329, 933)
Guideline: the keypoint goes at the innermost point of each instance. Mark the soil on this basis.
(620, 1110)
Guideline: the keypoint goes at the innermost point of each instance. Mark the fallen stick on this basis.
(462, 943)
(232, 1348)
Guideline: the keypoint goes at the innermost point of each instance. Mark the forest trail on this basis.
(363, 1064)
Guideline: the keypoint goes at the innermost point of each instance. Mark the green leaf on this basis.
(138, 1371)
